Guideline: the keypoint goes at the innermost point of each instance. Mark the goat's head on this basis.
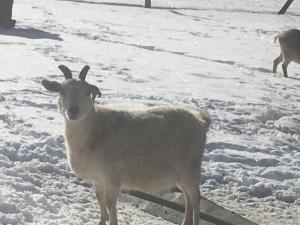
(76, 96)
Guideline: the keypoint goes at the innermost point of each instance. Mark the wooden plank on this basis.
(212, 207)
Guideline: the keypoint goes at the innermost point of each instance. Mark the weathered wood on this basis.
(148, 3)
(285, 7)
(6, 13)
(218, 211)
(175, 206)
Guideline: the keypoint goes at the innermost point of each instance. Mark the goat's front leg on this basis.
(111, 196)
(101, 201)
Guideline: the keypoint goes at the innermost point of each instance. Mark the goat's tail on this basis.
(275, 39)
(204, 117)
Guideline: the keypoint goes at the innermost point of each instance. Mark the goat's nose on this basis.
(73, 111)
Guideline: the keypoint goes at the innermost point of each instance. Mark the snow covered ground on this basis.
(214, 55)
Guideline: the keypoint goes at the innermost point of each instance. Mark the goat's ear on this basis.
(66, 71)
(95, 92)
(51, 85)
(83, 72)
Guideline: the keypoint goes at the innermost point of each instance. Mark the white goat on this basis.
(290, 49)
(134, 149)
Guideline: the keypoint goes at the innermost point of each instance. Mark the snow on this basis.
(215, 55)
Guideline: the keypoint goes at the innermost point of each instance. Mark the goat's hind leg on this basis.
(191, 187)
(195, 200)
(188, 216)
(276, 62)
(284, 67)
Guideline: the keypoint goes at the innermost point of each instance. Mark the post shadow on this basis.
(30, 33)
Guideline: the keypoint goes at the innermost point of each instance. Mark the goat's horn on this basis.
(66, 71)
(83, 72)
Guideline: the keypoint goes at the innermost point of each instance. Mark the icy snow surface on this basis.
(214, 55)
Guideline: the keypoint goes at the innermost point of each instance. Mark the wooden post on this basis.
(6, 14)
(147, 3)
(285, 7)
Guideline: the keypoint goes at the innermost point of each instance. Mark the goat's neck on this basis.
(79, 134)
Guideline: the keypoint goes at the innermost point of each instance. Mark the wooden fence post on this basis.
(148, 3)
(285, 7)
(6, 14)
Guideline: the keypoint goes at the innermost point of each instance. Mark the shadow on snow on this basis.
(30, 33)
